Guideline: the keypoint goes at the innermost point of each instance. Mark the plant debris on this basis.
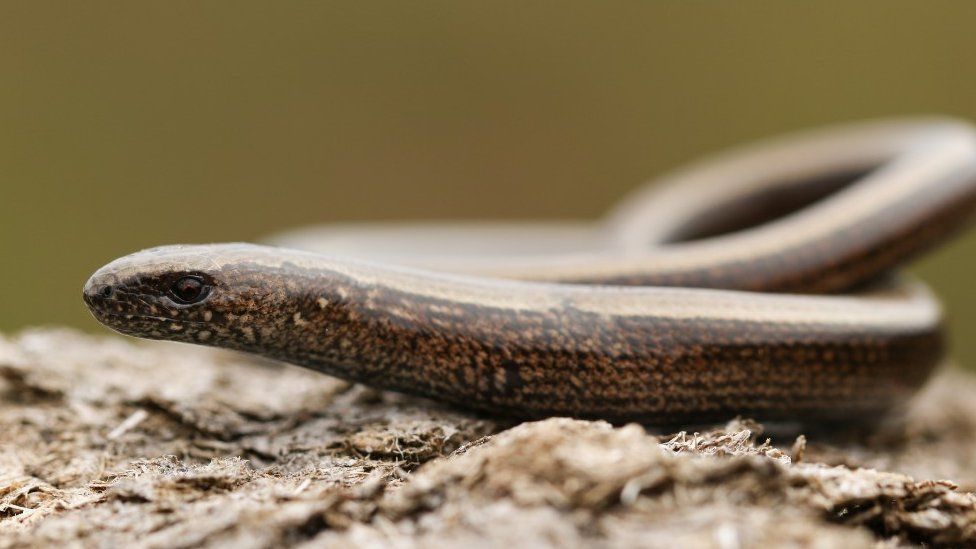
(116, 442)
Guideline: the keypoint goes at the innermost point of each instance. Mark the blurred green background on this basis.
(126, 125)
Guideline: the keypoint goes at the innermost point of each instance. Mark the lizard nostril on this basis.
(106, 292)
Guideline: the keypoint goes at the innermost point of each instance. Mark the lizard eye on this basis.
(189, 289)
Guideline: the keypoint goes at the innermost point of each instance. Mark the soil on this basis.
(112, 442)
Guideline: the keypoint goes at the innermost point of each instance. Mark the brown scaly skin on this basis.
(557, 360)
(884, 193)
(842, 260)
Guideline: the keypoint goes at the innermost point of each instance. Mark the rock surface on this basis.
(113, 442)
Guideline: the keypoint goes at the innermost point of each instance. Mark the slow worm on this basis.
(757, 282)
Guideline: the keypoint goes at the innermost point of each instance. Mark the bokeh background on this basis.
(130, 124)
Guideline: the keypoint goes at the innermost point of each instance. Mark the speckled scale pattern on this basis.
(576, 363)
(552, 360)
(858, 343)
